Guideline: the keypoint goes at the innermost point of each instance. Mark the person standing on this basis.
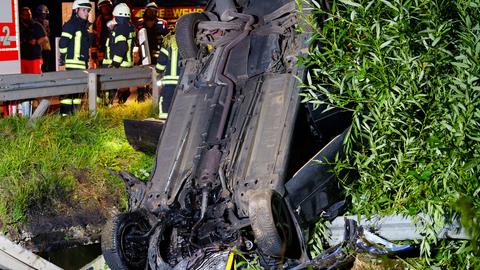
(101, 30)
(155, 29)
(41, 16)
(74, 48)
(119, 46)
(168, 66)
(32, 38)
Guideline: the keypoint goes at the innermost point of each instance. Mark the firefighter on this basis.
(168, 66)
(105, 9)
(119, 45)
(74, 48)
(156, 29)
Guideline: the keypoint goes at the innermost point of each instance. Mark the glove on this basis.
(61, 61)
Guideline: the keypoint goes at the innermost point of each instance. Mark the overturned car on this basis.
(234, 165)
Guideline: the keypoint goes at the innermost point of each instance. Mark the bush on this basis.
(409, 72)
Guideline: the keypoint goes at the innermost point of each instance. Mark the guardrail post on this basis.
(40, 111)
(155, 91)
(92, 92)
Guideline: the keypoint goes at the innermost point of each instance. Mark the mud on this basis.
(76, 218)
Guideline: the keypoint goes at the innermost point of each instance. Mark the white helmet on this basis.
(121, 10)
(152, 5)
(104, 2)
(81, 4)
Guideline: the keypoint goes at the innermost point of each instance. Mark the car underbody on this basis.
(234, 167)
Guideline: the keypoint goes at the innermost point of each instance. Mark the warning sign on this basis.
(9, 47)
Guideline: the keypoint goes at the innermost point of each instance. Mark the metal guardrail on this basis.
(13, 256)
(28, 86)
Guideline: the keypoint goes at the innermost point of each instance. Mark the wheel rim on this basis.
(134, 252)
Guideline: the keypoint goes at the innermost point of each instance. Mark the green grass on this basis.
(66, 159)
(409, 72)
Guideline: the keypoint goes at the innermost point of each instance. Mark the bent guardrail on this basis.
(28, 86)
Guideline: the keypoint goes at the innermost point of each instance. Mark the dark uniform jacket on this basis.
(168, 64)
(120, 43)
(75, 43)
(154, 35)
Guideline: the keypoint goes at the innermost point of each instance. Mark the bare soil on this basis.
(76, 218)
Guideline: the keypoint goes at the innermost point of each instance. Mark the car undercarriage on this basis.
(234, 167)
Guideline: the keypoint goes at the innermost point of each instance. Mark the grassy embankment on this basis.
(409, 71)
(63, 162)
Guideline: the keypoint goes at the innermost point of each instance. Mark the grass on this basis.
(66, 159)
(409, 72)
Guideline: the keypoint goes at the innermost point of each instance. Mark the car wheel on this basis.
(186, 30)
(272, 225)
(123, 246)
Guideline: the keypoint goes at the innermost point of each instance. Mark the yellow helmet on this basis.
(121, 10)
(81, 4)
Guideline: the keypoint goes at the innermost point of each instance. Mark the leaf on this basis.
(460, 65)
(350, 3)
(352, 15)
(390, 5)
(426, 175)
(435, 41)
(316, 4)
(386, 43)
(309, 78)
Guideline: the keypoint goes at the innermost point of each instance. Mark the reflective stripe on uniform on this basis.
(107, 53)
(161, 114)
(126, 64)
(160, 67)
(169, 82)
(170, 77)
(174, 61)
(63, 50)
(129, 48)
(165, 51)
(74, 61)
(67, 35)
(117, 59)
(66, 101)
(75, 66)
(120, 38)
(69, 101)
(77, 45)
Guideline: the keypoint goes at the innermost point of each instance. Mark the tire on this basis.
(186, 30)
(119, 253)
(272, 225)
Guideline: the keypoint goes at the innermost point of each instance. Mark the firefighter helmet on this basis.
(81, 4)
(152, 5)
(121, 10)
(104, 2)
